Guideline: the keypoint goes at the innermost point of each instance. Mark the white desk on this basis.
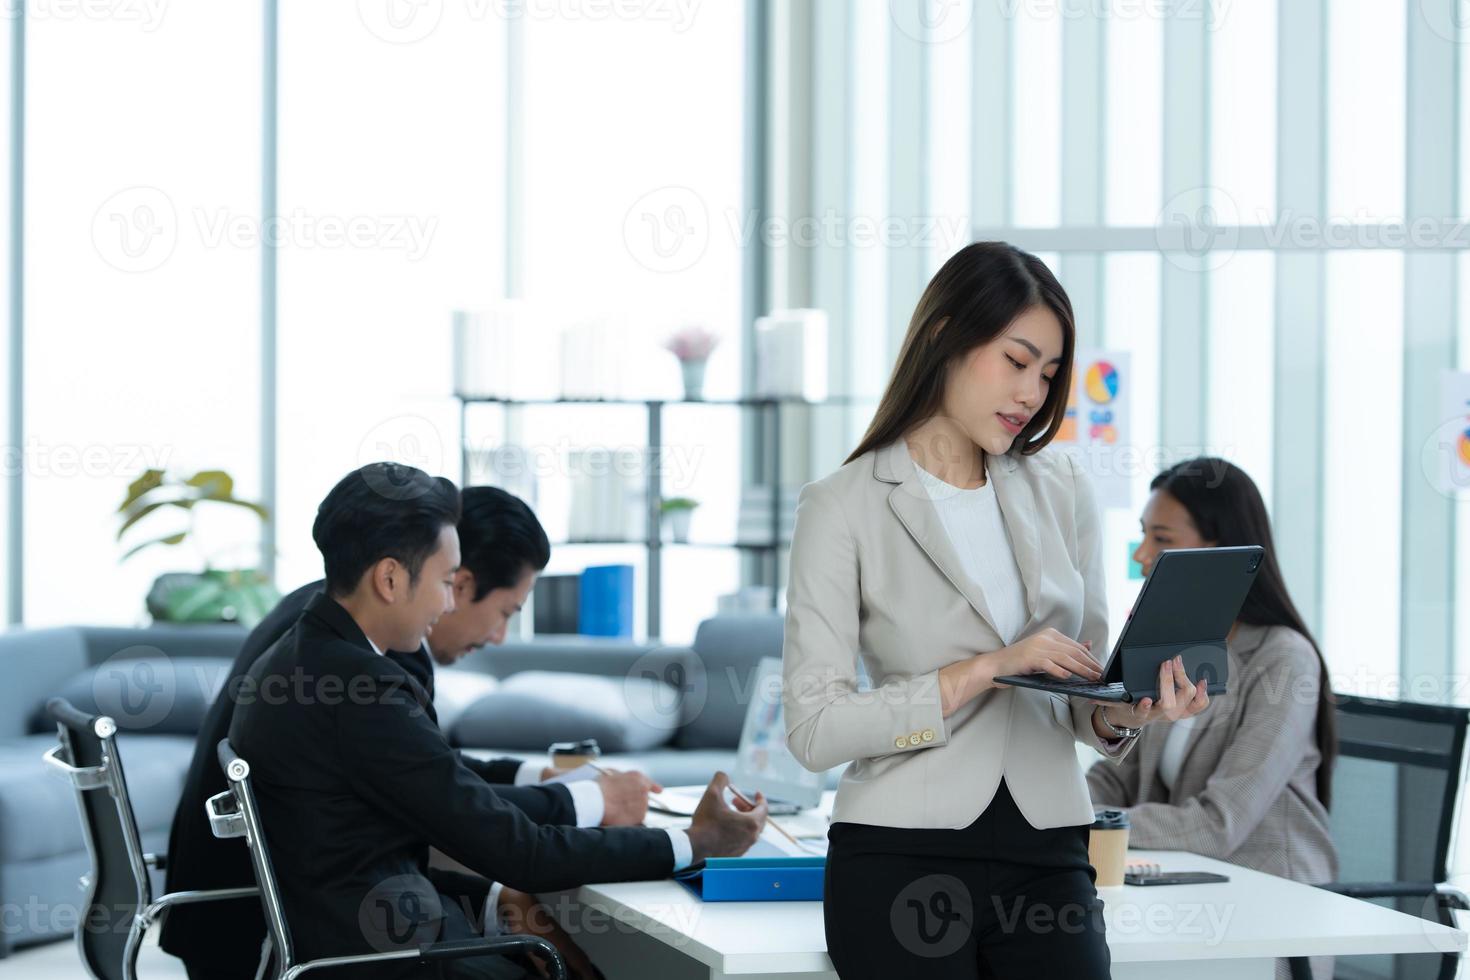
(1234, 930)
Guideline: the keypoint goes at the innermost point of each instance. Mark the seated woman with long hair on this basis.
(1249, 780)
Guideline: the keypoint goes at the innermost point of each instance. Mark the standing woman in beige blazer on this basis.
(1249, 781)
(949, 549)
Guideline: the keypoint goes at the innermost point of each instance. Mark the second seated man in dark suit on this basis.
(355, 780)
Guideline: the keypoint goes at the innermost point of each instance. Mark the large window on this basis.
(394, 129)
(14, 469)
(411, 147)
(142, 290)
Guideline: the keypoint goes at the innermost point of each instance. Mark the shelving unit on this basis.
(770, 410)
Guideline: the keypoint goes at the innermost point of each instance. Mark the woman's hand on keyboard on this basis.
(1047, 652)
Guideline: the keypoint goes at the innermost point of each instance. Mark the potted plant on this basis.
(692, 346)
(241, 595)
(676, 512)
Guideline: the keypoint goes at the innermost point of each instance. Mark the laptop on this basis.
(763, 763)
(1186, 607)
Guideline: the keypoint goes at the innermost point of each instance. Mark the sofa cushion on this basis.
(727, 650)
(38, 808)
(159, 695)
(535, 708)
(36, 663)
(455, 690)
(216, 641)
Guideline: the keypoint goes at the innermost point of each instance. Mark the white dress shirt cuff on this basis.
(529, 773)
(683, 850)
(490, 923)
(587, 801)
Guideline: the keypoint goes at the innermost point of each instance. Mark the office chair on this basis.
(234, 813)
(119, 907)
(1395, 798)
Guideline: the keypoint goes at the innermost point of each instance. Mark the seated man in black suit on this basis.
(356, 782)
(503, 549)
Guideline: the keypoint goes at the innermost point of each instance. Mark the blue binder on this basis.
(605, 605)
(757, 879)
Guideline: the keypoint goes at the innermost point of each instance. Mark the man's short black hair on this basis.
(383, 510)
(500, 539)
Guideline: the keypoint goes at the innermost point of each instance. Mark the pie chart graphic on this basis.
(1101, 382)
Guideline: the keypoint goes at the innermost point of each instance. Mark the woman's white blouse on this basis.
(973, 523)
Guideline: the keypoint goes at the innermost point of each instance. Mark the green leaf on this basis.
(150, 480)
(213, 484)
(184, 604)
(258, 508)
(147, 509)
(169, 539)
(257, 598)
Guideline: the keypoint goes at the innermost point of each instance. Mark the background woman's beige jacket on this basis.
(874, 577)
(1246, 790)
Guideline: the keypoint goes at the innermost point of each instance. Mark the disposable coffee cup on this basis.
(570, 755)
(1107, 846)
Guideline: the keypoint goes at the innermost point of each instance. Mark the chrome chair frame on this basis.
(109, 777)
(234, 813)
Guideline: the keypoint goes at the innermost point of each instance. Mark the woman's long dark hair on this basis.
(1227, 509)
(969, 302)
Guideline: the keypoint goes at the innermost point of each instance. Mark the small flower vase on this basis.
(693, 379)
(679, 524)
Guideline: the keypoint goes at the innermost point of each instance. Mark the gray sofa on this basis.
(707, 688)
(675, 712)
(42, 855)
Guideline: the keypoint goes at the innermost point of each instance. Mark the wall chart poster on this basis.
(1097, 430)
(1446, 455)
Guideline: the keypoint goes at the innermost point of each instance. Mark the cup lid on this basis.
(1108, 819)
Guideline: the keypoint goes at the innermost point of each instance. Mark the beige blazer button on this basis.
(900, 742)
(928, 735)
(914, 739)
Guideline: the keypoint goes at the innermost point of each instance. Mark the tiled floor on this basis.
(58, 961)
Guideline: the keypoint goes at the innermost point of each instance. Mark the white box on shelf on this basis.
(593, 357)
(503, 352)
(607, 495)
(791, 354)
